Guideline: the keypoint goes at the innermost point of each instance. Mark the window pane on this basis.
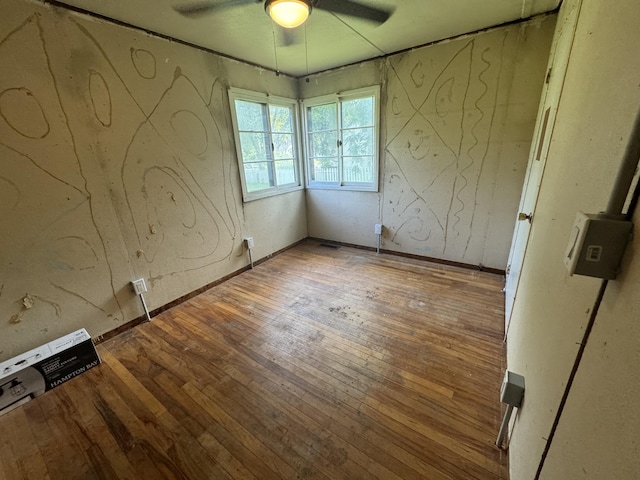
(324, 144)
(357, 113)
(258, 176)
(254, 147)
(358, 169)
(326, 170)
(267, 143)
(251, 116)
(322, 117)
(282, 146)
(280, 118)
(358, 141)
(285, 172)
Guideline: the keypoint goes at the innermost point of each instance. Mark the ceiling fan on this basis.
(293, 13)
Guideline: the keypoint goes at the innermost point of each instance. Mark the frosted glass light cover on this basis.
(288, 13)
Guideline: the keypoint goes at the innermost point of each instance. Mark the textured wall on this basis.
(597, 437)
(116, 162)
(457, 121)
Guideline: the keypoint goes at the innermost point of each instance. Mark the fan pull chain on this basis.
(306, 51)
(275, 49)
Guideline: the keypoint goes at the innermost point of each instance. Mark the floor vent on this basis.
(330, 245)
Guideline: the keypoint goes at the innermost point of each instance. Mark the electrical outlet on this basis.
(139, 286)
(377, 229)
(512, 389)
(248, 241)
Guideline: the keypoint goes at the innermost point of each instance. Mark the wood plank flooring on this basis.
(318, 364)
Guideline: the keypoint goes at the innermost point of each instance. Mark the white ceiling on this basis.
(326, 40)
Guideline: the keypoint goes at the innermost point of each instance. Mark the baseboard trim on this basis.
(141, 319)
(468, 266)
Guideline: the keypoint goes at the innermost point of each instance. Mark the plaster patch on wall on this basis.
(440, 118)
(14, 102)
(110, 163)
(27, 301)
(165, 172)
(100, 98)
(144, 62)
(53, 237)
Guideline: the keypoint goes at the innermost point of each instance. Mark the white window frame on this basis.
(338, 98)
(266, 99)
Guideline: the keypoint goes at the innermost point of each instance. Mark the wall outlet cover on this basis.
(139, 286)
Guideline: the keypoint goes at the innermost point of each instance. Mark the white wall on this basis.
(117, 162)
(597, 434)
(457, 120)
(346, 216)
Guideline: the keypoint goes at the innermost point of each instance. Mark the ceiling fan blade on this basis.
(356, 9)
(196, 9)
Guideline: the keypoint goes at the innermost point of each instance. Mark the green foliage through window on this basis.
(267, 143)
(341, 140)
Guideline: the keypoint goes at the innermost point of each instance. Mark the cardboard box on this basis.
(43, 368)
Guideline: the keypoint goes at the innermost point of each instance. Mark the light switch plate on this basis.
(596, 245)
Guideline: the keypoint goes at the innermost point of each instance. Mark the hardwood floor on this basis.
(318, 364)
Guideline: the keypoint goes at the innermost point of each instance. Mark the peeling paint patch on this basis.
(27, 301)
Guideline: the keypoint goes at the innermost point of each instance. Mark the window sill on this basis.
(259, 195)
(350, 188)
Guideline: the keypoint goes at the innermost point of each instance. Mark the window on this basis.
(266, 135)
(342, 140)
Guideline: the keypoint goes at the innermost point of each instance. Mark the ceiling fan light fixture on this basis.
(288, 13)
